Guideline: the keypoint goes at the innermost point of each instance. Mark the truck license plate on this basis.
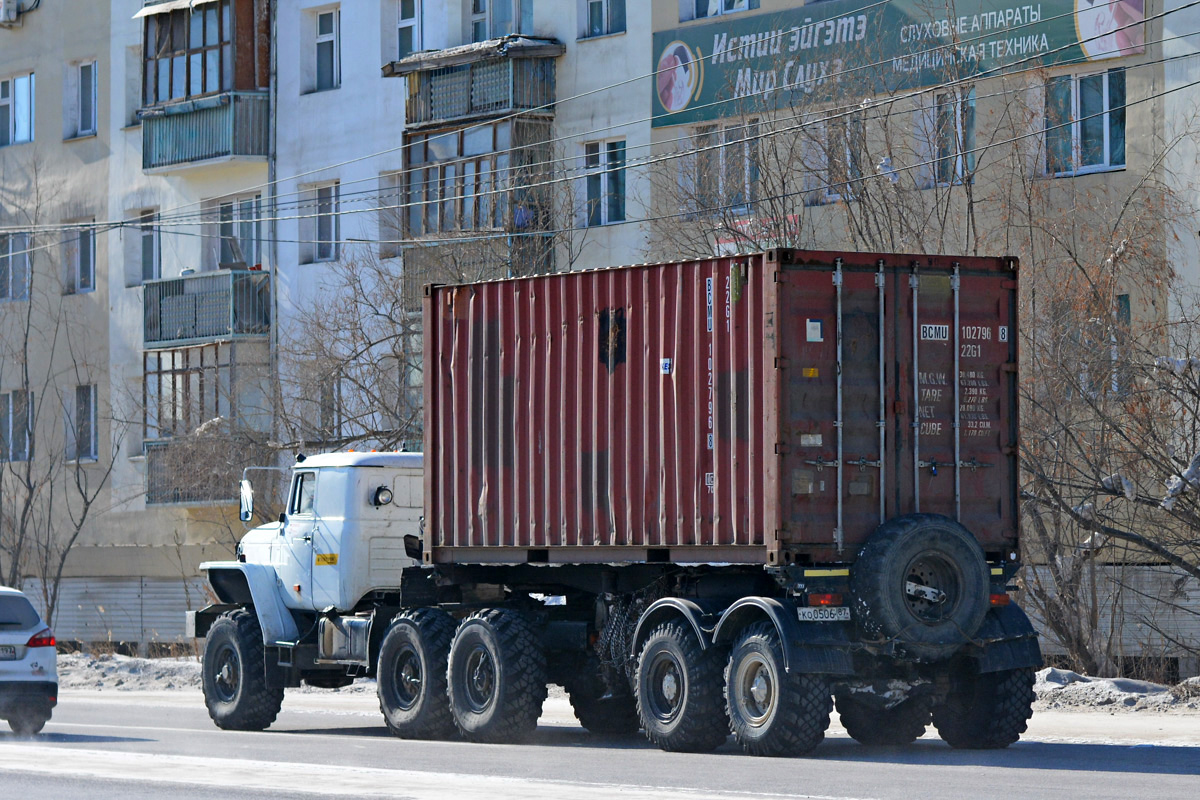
(824, 614)
(7, 652)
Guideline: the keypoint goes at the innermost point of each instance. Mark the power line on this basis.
(203, 216)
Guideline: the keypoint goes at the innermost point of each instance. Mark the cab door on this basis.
(295, 569)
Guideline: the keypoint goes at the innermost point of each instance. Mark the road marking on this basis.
(336, 779)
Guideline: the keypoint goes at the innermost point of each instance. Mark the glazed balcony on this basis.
(206, 307)
(226, 127)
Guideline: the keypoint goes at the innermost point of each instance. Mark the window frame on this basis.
(715, 143)
(1054, 127)
(325, 215)
(8, 421)
(9, 97)
(8, 254)
(147, 229)
(480, 14)
(610, 180)
(847, 153)
(236, 225)
(334, 37)
(481, 181)
(157, 47)
(958, 153)
(690, 9)
(75, 423)
(608, 26)
(91, 125)
(301, 480)
(413, 24)
(83, 242)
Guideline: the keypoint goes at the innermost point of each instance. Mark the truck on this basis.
(707, 498)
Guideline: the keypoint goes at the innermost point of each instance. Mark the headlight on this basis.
(382, 496)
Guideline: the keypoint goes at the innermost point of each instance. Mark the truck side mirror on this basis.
(246, 512)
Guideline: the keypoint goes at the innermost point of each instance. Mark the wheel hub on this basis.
(754, 689)
(670, 687)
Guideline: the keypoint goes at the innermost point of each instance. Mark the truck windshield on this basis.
(17, 612)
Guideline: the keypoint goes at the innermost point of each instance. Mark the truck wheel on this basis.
(28, 719)
(602, 712)
(679, 691)
(899, 725)
(497, 677)
(904, 561)
(234, 675)
(411, 674)
(773, 712)
(988, 711)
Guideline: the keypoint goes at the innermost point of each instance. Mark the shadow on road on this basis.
(1035, 755)
(69, 738)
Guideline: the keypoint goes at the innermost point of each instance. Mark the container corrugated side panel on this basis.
(598, 415)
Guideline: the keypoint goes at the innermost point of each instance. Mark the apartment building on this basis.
(58, 440)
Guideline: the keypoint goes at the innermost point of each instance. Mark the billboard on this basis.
(742, 63)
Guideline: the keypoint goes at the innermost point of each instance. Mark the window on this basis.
(239, 232)
(410, 27)
(726, 167)
(79, 117)
(150, 255)
(835, 152)
(14, 266)
(319, 224)
(955, 133)
(187, 53)
(80, 261)
(81, 424)
(17, 98)
(699, 9)
(329, 57)
(601, 17)
(491, 19)
(304, 493)
(458, 180)
(605, 165)
(1085, 122)
(16, 425)
(391, 200)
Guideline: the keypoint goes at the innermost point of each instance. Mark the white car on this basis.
(28, 665)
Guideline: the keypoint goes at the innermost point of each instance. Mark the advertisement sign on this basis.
(741, 63)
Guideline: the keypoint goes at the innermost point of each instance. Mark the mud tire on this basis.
(934, 551)
(496, 677)
(988, 711)
(679, 697)
(234, 675)
(884, 727)
(411, 674)
(790, 712)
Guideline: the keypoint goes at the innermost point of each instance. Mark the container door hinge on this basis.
(781, 362)
(782, 449)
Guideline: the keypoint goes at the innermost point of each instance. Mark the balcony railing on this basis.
(229, 124)
(483, 88)
(226, 304)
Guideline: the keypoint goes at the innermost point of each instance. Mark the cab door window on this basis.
(304, 494)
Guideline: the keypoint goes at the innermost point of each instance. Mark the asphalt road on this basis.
(151, 745)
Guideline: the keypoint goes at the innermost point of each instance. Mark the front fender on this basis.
(233, 580)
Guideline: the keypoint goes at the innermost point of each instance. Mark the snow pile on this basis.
(130, 674)
(83, 671)
(1062, 689)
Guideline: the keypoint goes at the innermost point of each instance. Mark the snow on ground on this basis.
(1057, 689)
(1063, 690)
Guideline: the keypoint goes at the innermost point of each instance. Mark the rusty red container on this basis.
(772, 408)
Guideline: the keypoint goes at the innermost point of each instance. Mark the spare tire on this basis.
(920, 582)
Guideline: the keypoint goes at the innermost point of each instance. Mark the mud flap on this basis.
(1008, 641)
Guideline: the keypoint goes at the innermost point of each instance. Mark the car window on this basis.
(17, 612)
(304, 493)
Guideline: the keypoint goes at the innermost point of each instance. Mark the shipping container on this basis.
(770, 408)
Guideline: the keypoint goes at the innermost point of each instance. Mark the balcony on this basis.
(195, 309)
(228, 126)
(487, 79)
